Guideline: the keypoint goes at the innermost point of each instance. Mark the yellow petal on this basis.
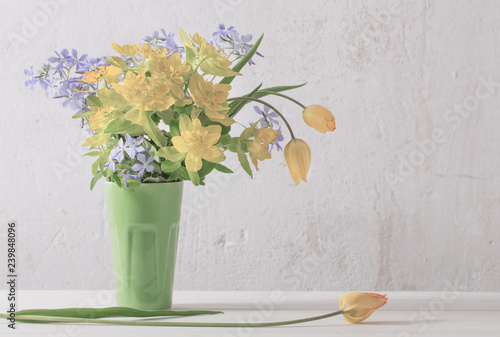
(184, 123)
(180, 144)
(193, 162)
(298, 159)
(358, 306)
(319, 117)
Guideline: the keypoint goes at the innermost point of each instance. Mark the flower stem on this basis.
(284, 96)
(266, 104)
(48, 319)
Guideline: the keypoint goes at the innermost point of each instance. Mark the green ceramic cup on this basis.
(144, 229)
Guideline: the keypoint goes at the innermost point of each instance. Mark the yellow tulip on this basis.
(319, 117)
(358, 306)
(298, 159)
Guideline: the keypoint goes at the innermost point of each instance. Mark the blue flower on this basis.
(268, 117)
(60, 60)
(32, 79)
(74, 60)
(131, 146)
(143, 165)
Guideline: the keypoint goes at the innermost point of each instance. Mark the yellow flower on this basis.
(126, 49)
(102, 117)
(210, 97)
(298, 159)
(319, 117)
(198, 142)
(257, 148)
(137, 89)
(170, 72)
(108, 73)
(358, 306)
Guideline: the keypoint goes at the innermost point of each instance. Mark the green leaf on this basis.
(154, 132)
(119, 125)
(223, 169)
(133, 185)
(94, 101)
(166, 115)
(110, 97)
(95, 179)
(244, 60)
(174, 127)
(186, 110)
(97, 139)
(84, 114)
(194, 177)
(173, 176)
(170, 153)
(93, 154)
(95, 167)
(183, 173)
(206, 168)
(235, 108)
(242, 157)
(95, 313)
(169, 166)
(117, 179)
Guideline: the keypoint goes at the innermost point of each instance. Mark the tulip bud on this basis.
(298, 159)
(357, 306)
(319, 117)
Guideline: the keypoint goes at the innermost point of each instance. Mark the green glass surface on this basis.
(144, 229)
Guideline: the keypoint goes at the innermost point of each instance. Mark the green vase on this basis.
(144, 229)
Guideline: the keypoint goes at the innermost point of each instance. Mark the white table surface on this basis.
(406, 314)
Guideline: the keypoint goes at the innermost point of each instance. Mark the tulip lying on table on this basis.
(355, 307)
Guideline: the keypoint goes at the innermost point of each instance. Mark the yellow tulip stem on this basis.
(53, 319)
(266, 104)
(284, 96)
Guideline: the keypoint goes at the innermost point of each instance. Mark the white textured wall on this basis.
(403, 196)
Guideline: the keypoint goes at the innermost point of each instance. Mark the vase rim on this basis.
(145, 184)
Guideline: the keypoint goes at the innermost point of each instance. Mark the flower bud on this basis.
(319, 117)
(298, 159)
(357, 306)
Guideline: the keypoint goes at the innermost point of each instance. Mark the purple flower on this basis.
(60, 60)
(93, 63)
(110, 164)
(118, 151)
(268, 117)
(223, 35)
(133, 146)
(161, 39)
(74, 60)
(143, 165)
(32, 79)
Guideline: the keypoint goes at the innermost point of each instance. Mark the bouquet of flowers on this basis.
(160, 111)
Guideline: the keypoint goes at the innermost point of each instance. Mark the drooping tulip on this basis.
(319, 117)
(298, 159)
(357, 306)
